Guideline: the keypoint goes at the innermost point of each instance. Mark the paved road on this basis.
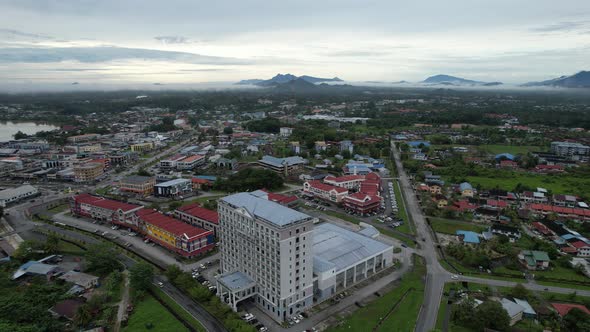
(436, 275)
(210, 323)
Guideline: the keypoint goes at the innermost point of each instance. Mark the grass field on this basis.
(342, 216)
(151, 311)
(440, 225)
(178, 309)
(406, 227)
(203, 199)
(512, 149)
(68, 248)
(565, 184)
(403, 318)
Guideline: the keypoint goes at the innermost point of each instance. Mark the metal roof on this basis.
(257, 205)
(278, 162)
(172, 182)
(236, 280)
(14, 192)
(339, 248)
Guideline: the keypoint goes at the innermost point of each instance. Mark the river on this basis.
(9, 128)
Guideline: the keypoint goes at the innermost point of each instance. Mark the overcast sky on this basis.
(190, 41)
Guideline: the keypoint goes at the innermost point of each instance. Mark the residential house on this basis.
(466, 189)
(534, 259)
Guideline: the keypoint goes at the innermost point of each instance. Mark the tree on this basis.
(20, 135)
(172, 272)
(52, 243)
(228, 130)
(83, 315)
(143, 172)
(576, 320)
(174, 205)
(26, 250)
(102, 259)
(491, 314)
(519, 292)
(141, 275)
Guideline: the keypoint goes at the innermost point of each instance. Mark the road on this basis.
(210, 323)
(436, 275)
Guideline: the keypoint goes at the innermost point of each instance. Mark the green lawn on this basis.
(68, 248)
(405, 228)
(558, 272)
(178, 309)
(342, 216)
(403, 318)
(203, 199)
(59, 208)
(446, 226)
(566, 184)
(151, 311)
(512, 149)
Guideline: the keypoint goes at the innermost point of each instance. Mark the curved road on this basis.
(437, 276)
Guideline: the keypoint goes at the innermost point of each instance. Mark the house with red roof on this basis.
(316, 188)
(175, 235)
(563, 308)
(103, 209)
(582, 248)
(362, 203)
(199, 216)
(350, 182)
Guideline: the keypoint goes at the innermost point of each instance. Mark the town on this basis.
(255, 211)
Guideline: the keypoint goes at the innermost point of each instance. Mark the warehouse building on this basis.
(14, 195)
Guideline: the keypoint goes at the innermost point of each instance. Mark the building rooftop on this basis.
(136, 179)
(278, 162)
(104, 203)
(12, 192)
(172, 182)
(236, 280)
(170, 224)
(511, 308)
(198, 211)
(468, 236)
(258, 205)
(337, 248)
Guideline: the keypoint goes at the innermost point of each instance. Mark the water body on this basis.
(8, 129)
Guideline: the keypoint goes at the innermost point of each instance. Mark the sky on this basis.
(114, 42)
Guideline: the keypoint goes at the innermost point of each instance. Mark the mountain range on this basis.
(579, 80)
(452, 80)
(287, 78)
(289, 82)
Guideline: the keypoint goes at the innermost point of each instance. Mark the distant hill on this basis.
(296, 85)
(286, 78)
(579, 80)
(452, 80)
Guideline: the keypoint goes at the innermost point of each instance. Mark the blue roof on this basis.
(416, 144)
(207, 177)
(278, 162)
(469, 236)
(259, 206)
(568, 236)
(505, 156)
(465, 186)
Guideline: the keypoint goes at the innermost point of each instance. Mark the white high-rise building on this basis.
(266, 255)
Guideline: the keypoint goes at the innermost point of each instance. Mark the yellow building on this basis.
(88, 172)
(142, 147)
(142, 185)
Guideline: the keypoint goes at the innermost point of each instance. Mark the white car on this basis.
(160, 284)
(455, 277)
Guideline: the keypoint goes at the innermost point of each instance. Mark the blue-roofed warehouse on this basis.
(468, 236)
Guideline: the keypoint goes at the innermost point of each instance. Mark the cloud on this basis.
(105, 54)
(205, 69)
(172, 39)
(17, 33)
(561, 27)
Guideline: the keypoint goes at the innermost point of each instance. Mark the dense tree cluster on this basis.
(250, 179)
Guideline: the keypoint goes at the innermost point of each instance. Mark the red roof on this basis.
(326, 187)
(564, 308)
(580, 244)
(497, 203)
(361, 198)
(201, 181)
(198, 211)
(559, 209)
(373, 177)
(192, 158)
(104, 203)
(171, 225)
(541, 228)
(281, 199)
(344, 178)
